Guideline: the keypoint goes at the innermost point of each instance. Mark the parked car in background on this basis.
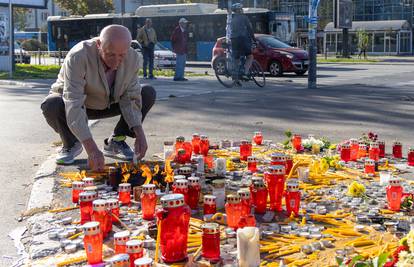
(273, 55)
(163, 57)
(21, 55)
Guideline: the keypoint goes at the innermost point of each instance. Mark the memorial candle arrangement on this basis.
(124, 195)
(259, 196)
(93, 242)
(148, 201)
(258, 138)
(346, 152)
(85, 203)
(245, 149)
(194, 190)
(245, 201)
(233, 211)
(292, 197)
(209, 206)
(114, 177)
(179, 142)
(120, 240)
(397, 150)
(135, 250)
(100, 215)
(195, 142)
(88, 181)
(275, 180)
(354, 149)
(278, 159)
(369, 166)
(362, 151)
(394, 194)
(204, 145)
(113, 204)
(77, 188)
(180, 186)
(173, 221)
(252, 163)
(297, 142)
(211, 242)
(374, 151)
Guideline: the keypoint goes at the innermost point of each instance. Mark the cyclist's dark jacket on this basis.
(241, 27)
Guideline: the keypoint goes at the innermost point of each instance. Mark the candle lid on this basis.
(277, 169)
(119, 259)
(256, 178)
(180, 139)
(143, 262)
(369, 162)
(77, 185)
(259, 184)
(210, 228)
(193, 180)
(346, 146)
(278, 157)
(381, 142)
(411, 149)
(112, 203)
(251, 159)
(244, 142)
(362, 146)
(204, 137)
(121, 238)
(168, 143)
(148, 188)
(181, 183)
(353, 141)
(99, 205)
(209, 199)
(288, 157)
(397, 143)
(197, 135)
(244, 194)
(91, 228)
(134, 246)
(292, 185)
(179, 177)
(233, 199)
(374, 145)
(92, 188)
(184, 170)
(219, 183)
(258, 133)
(125, 187)
(87, 196)
(394, 181)
(172, 200)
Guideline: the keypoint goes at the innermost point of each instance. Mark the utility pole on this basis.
(11, 34)
(312, 30)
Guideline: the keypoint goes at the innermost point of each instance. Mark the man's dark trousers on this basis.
(148, 55)
(53, 109)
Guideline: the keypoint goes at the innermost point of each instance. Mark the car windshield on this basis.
(16, 45)
(272, 42)
(159, 46)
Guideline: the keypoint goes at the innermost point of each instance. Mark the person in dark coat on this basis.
(179, 40)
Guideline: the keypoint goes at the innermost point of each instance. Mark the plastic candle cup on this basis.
(194, 190)
(85, 203)
(148, 201)
(397, 150)
(196, 143)
(135, 250)
(211, 241)
(394, 194)
(233, 211)
(120, 240)
(292, 197)
(124, 195)
(259, 196)
(346, 152)
(77, 187)
(180, 186)
(252, 163)
(113, 204)
(100, 215)
(93, 242)
(258, 138)
(209, 205)
(275, 180)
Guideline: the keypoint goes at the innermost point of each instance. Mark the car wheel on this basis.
(220, 66)
(300, 72)
(275, 69)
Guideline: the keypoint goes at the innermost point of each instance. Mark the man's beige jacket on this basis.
(83, 85)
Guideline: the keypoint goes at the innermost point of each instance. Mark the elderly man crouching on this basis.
(99, 79)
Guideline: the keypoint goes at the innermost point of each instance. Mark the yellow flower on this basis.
(410, 240)
(356, 189)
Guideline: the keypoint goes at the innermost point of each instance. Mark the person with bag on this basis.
(179, 41)
(147, 37)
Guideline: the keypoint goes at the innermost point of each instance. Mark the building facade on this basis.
(36, 19)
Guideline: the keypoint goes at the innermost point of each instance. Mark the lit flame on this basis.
(116, 164)
(146, 172)
(125, 177)
(80, 175)
(168, 172)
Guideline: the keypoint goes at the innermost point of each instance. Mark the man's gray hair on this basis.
(115, 32)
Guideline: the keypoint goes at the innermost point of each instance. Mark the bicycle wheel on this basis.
(223, 73)
(257, 74)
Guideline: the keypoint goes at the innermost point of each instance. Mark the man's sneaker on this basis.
(67, 156)
(116, 147)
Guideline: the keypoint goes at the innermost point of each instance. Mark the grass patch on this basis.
(25, 72)
(347, 60)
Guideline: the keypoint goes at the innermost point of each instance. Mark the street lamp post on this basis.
(11, 38)
(312, 30)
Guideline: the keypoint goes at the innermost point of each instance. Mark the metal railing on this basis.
(40, 57)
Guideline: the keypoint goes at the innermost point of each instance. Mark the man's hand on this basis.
(96, 160)
(140, 142)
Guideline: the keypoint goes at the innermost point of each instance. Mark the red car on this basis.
(273, 55)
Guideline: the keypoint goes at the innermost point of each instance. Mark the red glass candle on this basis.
(88, 181)
(289, 163)
(233, 211)
(354, 149)
(346, 152)
(113, 204)
(85, 203)
(297, 142)
(174, 218)
(194, 190)
(381, 145)
(251, 186)
(397, 150)
(209, 205)
(245, 201)
(120, 260)
(179, 141)
(292, 197)
(135, 250)
(195, 142)
(148, 201)
(124, 193)
(93, 242)
(100, 215)
(180, 186)
(259, 195)
(252, 163)
(77, 187)
(247, 221)
(275, 180)
(278, 159)
(204, 145)
(143, 262)
(180, 156)
(369, 166)
(362, 151)
(258, 138)
(374, 151)
(188, 148)
(410, 157)
(245, 149)
(394, 194)
(108, 223)
(114, 176)
(120, 240)
(211, 241)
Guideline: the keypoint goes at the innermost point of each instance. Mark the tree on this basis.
(84, 7)
(363, 42)
(19, 15)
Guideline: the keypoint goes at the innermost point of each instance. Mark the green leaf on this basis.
(288, 133)
(381, 260)
(361, 264)
(339, 261)
(355, 259)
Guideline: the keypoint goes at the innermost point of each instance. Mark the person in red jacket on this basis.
(179, 40)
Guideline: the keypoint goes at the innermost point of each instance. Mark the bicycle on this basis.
(225, 74)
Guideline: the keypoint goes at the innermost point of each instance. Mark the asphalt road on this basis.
(351, 99)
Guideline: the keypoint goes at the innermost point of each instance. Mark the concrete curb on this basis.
(17, 83)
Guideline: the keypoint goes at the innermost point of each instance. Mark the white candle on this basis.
(220, 166)
(248, 247)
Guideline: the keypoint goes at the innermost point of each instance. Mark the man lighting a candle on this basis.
(99, 79)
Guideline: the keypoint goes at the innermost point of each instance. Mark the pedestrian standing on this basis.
(179, 40)
(147, 37)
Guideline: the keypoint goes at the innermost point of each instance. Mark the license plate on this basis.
(306, 62)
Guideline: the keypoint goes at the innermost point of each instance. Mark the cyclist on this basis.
(242, 38)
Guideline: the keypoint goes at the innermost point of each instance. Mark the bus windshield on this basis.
(272, 42)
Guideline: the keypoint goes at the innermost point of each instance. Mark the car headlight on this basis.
(288, 55)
